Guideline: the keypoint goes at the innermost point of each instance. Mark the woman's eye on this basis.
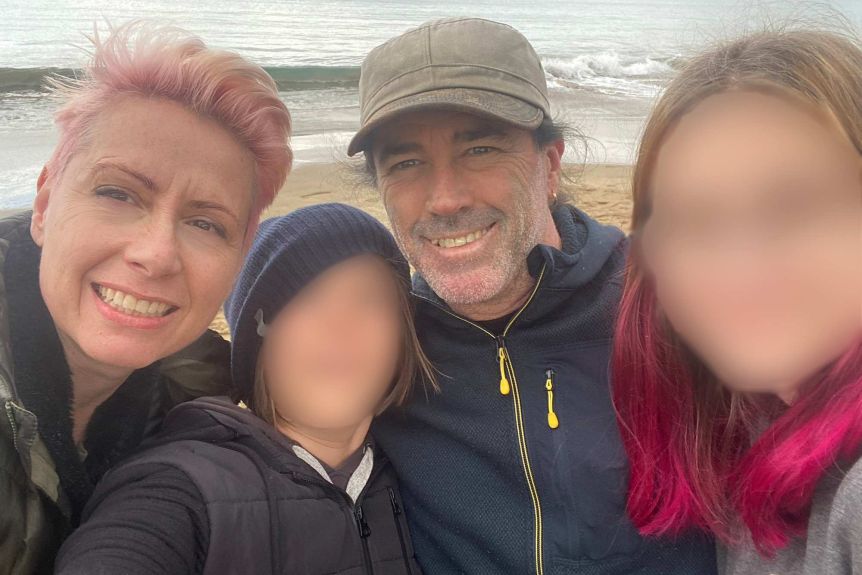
(208, 226)
(114, 194)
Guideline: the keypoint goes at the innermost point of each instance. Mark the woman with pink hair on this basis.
(738, 353)
(168, 152)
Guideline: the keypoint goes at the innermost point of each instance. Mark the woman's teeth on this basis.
(131, 305)
(460, 241)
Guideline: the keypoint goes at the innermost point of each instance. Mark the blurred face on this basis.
(330, 356)
(755, 239)
(468, 199)
(143, 233)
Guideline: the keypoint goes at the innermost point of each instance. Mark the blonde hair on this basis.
(413, 366)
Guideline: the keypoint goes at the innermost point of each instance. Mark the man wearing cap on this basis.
(516, 466)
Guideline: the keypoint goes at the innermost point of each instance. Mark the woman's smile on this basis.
(130, 310)
(137, 306)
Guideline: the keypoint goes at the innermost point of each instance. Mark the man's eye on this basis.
(406, 164)
(480, 150)
(114, 194)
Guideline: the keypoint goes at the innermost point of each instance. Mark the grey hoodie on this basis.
(833, 545)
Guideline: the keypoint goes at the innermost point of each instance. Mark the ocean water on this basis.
(605, 62)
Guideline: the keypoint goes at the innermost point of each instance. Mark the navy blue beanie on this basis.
(288, 252)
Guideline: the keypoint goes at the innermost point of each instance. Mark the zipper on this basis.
(553, 420)
(364, 533)
(509, 386)
(525, 457)
(13, 424)
(396, 512)
(362, 526)
(505, 385)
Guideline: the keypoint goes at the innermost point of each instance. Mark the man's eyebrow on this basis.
(480, 133)
(389, 150)
(208, 205)
(147, 182)
(464, 136)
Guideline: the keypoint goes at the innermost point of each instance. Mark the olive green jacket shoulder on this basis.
(33, 517)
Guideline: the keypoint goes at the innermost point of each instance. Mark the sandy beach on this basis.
(600, 190)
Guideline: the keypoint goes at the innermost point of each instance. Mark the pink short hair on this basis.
(140, 58)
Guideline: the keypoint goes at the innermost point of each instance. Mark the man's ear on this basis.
(40, 207)
(554, 158)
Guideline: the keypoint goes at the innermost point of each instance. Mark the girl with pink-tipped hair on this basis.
(738, 366)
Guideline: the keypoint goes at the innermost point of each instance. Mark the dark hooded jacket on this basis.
(222, 492)
(533, 480)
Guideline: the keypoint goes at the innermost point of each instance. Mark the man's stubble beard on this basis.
(507, 268)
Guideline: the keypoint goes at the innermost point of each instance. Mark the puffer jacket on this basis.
(222, 492)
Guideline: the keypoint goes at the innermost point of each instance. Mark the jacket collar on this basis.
(358, 478)
(218, 419)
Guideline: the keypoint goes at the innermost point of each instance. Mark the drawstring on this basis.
(553, 420)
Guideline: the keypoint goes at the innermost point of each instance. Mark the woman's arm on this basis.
(143, 519)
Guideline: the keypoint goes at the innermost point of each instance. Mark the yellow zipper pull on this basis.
(553, 420)
(505, 388)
